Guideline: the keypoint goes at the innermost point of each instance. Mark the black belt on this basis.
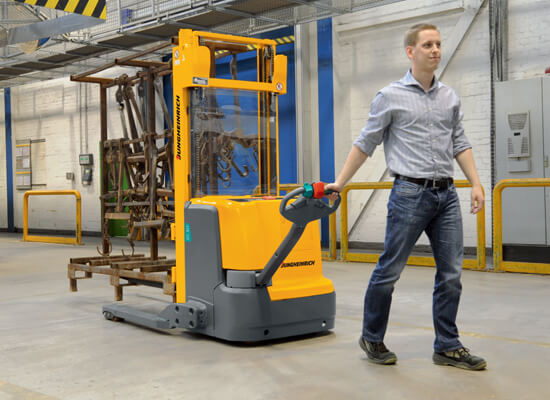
(442, 183)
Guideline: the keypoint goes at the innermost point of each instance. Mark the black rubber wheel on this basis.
(108, 315)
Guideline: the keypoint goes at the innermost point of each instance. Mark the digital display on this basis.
(86, 159)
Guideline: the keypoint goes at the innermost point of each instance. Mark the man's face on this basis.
(426, 54)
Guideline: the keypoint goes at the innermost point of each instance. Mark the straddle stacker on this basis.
(248, 262)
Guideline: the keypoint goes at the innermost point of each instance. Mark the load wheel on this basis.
(111, 317)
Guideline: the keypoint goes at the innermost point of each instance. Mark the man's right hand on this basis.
(336, 188)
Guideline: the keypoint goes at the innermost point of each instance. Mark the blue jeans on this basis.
(413, 209)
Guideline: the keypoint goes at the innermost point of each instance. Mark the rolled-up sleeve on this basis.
(460, 141)
(379, 120)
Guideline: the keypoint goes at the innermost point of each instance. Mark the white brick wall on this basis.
(370, 58)
(529, 38)
(51, 111)
(368, 54)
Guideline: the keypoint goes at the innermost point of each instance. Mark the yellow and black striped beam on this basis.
(285, 39)
(281, 40)
(90, 8)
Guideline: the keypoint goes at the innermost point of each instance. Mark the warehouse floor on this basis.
(55, 344)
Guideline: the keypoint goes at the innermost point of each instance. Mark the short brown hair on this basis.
(411, 37)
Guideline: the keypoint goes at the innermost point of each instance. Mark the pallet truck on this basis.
(248, 263)
(245, 305)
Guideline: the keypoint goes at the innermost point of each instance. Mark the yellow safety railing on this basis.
(331, 253)
(50, 239)
(499, 263)
(478, 264)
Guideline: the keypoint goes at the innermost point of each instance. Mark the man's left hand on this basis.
(478, 200)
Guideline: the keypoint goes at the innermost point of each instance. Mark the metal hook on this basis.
(106, 254)
(241, 173)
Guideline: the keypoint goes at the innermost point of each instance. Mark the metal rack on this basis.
(137, 175)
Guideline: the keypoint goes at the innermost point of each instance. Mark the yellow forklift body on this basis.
(250, 232)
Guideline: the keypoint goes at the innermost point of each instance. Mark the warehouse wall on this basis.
(529, 38)
(368, 54)
(65, 115)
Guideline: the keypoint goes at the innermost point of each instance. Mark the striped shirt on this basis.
(422, 130)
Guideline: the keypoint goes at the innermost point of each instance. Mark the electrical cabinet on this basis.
(86, 162)
(522, 113)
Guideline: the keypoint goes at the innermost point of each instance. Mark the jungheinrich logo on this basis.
(178, 128)
(298, 264)
(200, 81)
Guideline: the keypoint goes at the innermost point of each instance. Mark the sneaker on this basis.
(460, 358)
(377, 352)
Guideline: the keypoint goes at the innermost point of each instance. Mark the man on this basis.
(419, 120)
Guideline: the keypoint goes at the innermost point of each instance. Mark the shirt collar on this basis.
(409, 80)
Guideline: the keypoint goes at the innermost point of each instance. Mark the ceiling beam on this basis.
(325, 7)
(243, 14)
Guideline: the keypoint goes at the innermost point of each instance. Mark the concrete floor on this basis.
(55, 344)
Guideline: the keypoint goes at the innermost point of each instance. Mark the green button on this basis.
(308, 190)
